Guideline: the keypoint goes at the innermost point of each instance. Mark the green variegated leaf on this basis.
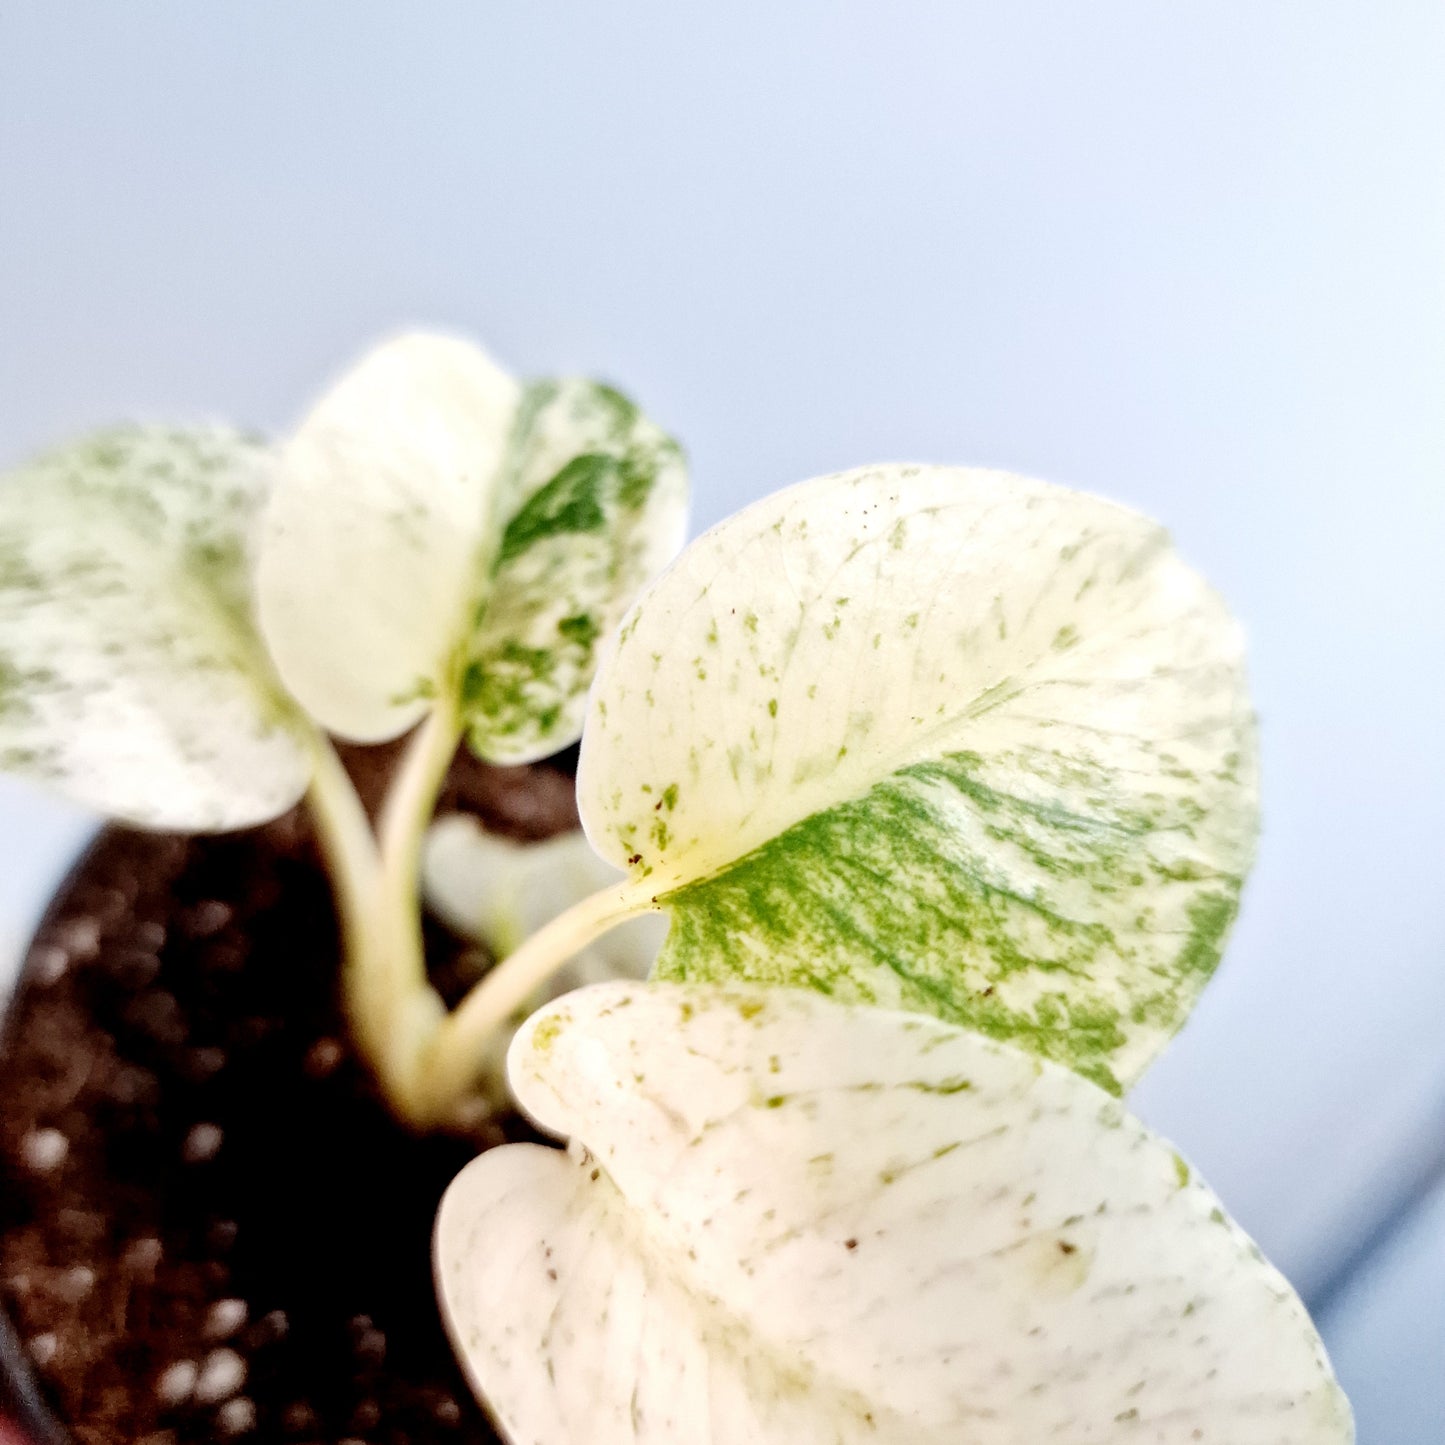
(598, 506)
(938, 739)
(441, 531)
(132, 678)
(782, 1219)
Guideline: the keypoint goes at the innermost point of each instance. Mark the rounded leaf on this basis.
(441, 531)
(940, 739)
(371, 544)
(782, 1219)
(132, 678)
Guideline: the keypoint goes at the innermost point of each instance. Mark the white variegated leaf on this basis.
(783, 1219)
(501, 892)
(372, 536)
(132, 678)
(439, 530)
(939, 739)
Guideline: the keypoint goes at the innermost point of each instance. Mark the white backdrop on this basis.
(1189, 256)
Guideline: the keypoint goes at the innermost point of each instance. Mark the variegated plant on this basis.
(946, 781)
(437, 547)
(929, 738)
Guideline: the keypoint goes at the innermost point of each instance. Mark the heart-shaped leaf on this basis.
(786, 1219)
(132, 678)
(441, 531)
(940, 739)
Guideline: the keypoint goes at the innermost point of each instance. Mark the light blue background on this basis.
(1192, 256)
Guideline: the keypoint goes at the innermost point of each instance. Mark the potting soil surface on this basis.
(210, 1227)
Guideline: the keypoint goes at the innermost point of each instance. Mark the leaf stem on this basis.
(407, 810)
(426, 1060)
(392, 1010)
(411, 798)
(464, 1045)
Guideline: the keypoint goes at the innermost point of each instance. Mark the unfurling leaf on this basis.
(439, 531)
(501, 892)
(937, 739)
(782, 1219)
(132, 677)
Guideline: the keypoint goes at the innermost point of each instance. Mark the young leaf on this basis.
(502, 892)
(132, 678)
(596, 507)
(787, 1220)
(371, 538)
(441, 532)
(940, 739)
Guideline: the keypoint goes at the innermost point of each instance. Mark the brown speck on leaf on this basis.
(850, 1244)
(1066, 1248)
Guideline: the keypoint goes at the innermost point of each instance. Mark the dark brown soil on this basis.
(210, 1227)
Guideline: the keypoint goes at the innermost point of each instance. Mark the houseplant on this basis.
(946, 780)
(514, 522)
(902, 743)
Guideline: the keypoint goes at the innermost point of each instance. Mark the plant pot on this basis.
(210, 1226)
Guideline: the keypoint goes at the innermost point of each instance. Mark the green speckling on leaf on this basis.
(590, 504)
(571, 502)
(1040, 964)
(1210, 918)
(956, 1085)
(547, 1032)
(581, 629)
